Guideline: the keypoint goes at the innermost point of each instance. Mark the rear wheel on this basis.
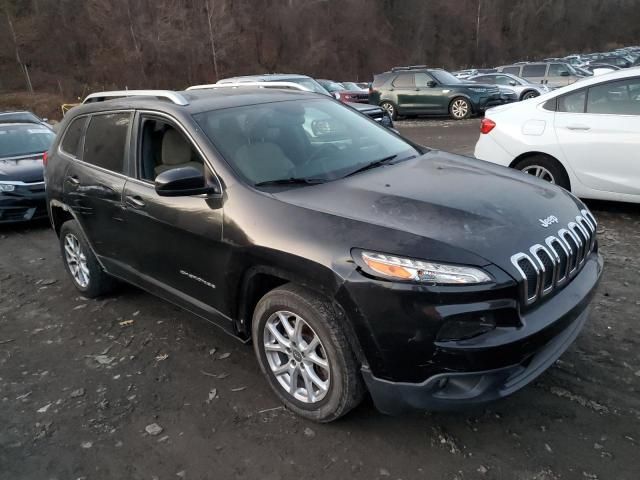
(81, 264)
(545, 168)
(460, 108)
(390, 109)
(304, 353)
(529, 94)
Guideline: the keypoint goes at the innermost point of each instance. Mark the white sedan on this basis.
(584, 137)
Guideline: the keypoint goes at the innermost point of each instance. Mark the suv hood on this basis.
(490, 211)
(26, 168)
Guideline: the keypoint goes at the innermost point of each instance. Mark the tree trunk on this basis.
(214, 57)
(22, 66)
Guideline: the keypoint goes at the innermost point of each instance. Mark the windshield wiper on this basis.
(369, 166)
(290, 181)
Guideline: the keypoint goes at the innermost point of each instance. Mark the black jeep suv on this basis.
(419, 90)
(353, 260)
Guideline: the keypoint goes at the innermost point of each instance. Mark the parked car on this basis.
(311, 85)
(430, 91)
(584, 137)
(524, 89)
(600, 68)
(462, 74)
(354, 86)
(353, 259)
(343, 94)
(553, 74)
(616, 60)
(22, 146)
(23, 116)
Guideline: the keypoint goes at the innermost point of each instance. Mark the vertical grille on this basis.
(547, 267)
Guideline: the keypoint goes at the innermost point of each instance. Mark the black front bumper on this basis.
(27, 202)
(499, 362)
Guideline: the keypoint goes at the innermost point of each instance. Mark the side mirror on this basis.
(183, 182)
(336, 95)
(564, 74)
(513, 83)
(431, 84)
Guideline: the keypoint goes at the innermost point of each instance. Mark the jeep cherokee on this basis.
(352, 259)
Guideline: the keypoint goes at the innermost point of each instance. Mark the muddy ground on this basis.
(81, 381)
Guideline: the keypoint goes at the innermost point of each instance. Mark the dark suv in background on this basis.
(428, 91)
(353, 259)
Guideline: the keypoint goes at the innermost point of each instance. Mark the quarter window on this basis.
(615, 98)
(106, 140)
(536, 70)
(73, 135)
(572, 103)
(404, 80)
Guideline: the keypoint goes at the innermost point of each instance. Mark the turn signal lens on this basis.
(486, 125)
(398, 268)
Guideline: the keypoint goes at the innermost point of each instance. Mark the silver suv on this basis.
(553, 74)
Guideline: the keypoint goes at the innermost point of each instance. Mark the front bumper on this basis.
(494, 364)
(27, 202)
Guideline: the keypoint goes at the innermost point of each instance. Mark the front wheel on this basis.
(305, 355)
(529, 94)
(391, 109)
(460, 108)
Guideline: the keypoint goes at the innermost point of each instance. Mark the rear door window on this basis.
(106, 140)
(72, 136)
(535, 70)
(572, 103)
(511, 70)
(404, 80)
(615, 98)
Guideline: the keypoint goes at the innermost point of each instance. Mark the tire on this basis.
(459, 108)
(91, 281)
(529, 94)
(545, 167)
(317, 318)
(391, 109)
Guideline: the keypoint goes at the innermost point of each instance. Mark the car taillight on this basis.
(45, 157)
(486, 125)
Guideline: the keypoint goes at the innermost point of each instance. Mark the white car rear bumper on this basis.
(489, 150)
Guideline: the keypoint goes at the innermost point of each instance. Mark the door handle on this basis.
(578, 127)
(134, 201)
(72, 179)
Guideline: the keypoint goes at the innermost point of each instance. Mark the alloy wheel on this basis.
(389, 108)
(539, 172)
(460, 108)
(529, 95)
(76, 260)
(296, 356)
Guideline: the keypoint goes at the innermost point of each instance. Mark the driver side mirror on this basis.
(564, 74)
(513, 83)
(183, 182)
(431, 84)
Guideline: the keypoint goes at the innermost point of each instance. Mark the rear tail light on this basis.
(45, 157)
(486, 125)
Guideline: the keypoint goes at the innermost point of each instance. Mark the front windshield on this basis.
(319, 140)
(18, 140)
(332, 86)
(310, 84)
(351, 86)
(444, 77)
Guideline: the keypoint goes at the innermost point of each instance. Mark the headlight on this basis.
(7, 187)
(479, 90)
(398, 268)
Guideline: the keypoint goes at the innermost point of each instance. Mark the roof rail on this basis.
(280, 85)
(408, 67)
(167, 94)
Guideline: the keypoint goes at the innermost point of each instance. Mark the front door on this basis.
(599, 131)
(431, 97)
(175, 243)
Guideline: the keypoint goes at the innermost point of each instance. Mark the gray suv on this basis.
(553, 74)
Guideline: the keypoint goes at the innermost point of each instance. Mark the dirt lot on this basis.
(80, 380)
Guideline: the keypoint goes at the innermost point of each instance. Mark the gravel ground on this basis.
(132, 387)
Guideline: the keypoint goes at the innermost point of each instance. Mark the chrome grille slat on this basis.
(548, 266)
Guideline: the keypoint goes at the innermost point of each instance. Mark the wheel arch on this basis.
(259, 280)
(59, 213)
(524, 156)
(529, 90)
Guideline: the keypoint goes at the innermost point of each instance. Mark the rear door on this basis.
(94, 182)
(174, 243)
(599, 131)
(535, 72)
